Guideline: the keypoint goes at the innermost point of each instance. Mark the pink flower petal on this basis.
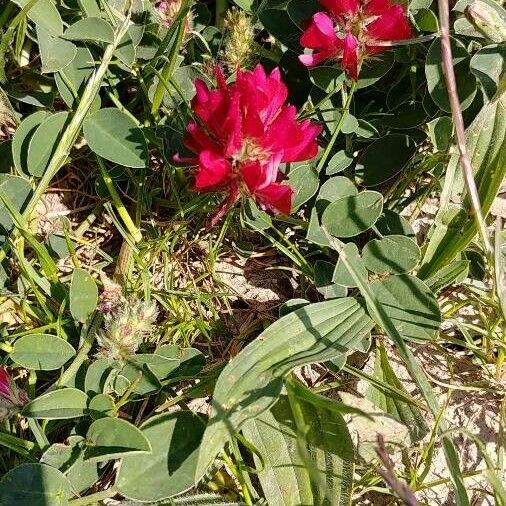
(376, 7)
(350, 56)
(320, 33)
(276, 197)
(314, 59)
(340, 8)
(391, 25)
(5, 383)
(214, 171)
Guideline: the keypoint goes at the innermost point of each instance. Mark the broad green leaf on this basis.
(283, 474)
(374, 168)
(126, 51)
(83, 295)
(191, 361)
(18, 190)
(304, 180)
(97, 376)
(45, 15)
(44, 142)
(58, 404)
(441, 132)
(455, 226)
(94, 29)
(341, 274)
(328, 79)
(42, 352)
(22, 137)
(69, 460)
(72, 79)
(111, 438)
(350, 216)
(404, 412)
(426, 21)
(255, 217)
(113, 135)
(170, 468)
(488, 65)
(466, 82)
(340, 161)
(454, 272)
(100, 406)
(333, 189)
(394, 254)
(494, 30)
(375, 68)
(252, 381)
(392, 223)
(323, 272)
(55, 53)
(34, 485)
(410, 305)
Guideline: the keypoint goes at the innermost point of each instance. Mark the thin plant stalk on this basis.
(338, 128)
(120, 207)
(458, 121)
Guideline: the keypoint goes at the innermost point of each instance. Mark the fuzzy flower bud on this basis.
(12, 398)
(126, 328)
(239, 40)
(168, 11)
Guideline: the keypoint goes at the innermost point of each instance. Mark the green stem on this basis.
(82, 354)
(120, 207)
(70, 134)
(337, 130)
(221, 7)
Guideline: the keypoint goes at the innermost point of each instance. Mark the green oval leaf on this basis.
(22, 137)
(113, 135)
(18, 190)
(35, 485)
(341, 274)
(55, 53)
(410, 304)
(45, 15)
(58, 404)
(94, 29)
(466, 82)
(83, 295)
(304, 180)
(42, 352)
(488, 65)
(350, 216)
(44, 142)
(374, 168)
(394, 254)
(170, 468)
(110, 438)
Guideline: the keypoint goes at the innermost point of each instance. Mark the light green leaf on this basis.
(252, 381)
(350, 216)
(341, 274)
(304, 180)
(111, 438)
(394, 254)
(113, 135)
(170, 468)
(18, 190)
(34, 485)
(83, 295)
(22, 137)
(42, 352)
(45, 15)
(466, 82)
(58, 404)
(410, 305)
(55, 52)
(94, 29)
(44, 142)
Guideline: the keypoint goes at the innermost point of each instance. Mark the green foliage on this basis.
(83, 295)
(42, 352)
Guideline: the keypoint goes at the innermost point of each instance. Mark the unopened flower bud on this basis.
(486, 20)
(126, 328)
(168, 11)
(239, 39)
